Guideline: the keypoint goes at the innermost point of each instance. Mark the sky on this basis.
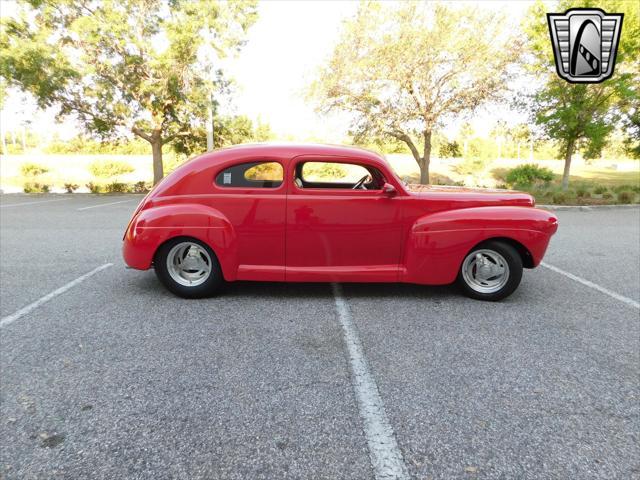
(284, 49)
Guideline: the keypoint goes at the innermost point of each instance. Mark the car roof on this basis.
(289, 150)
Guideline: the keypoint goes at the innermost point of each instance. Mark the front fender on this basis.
(437, 243)
(153, 226)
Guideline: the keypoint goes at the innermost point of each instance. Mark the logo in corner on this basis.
(585, 43)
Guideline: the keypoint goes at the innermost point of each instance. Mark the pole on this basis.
(210, 126)
(210, 131)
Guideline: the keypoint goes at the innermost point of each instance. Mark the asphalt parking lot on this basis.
(116, 378)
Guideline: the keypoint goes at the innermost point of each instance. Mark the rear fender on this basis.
(155, 225)
(438, 242)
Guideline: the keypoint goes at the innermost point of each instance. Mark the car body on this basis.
(289, 225)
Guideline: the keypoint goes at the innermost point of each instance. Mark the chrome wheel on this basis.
(189, 264)
(485, 271)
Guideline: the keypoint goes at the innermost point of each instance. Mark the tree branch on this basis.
(141, 134)
(407, 139)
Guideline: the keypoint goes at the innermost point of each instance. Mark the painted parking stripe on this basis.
(107, 204)
(595, 286)
(384, 453)
(41, 301)
(33, 203)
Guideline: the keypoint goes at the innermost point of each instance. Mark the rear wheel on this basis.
(491, 271)
(188, 268)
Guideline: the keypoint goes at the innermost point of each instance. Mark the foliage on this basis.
(71, 187)
(322, 170)
(583, 192)
(265, 171)
(600, 189)
(109, 168)
(580, 117)
(36, 187)
(32, 169)
(401, 68)
(449, 150)
(135, 66)
(140, 187)
(560, 197)
(94, 187)
(116, 187)
(82, 144)
(228, 130)
(626, 196)
(528, 174)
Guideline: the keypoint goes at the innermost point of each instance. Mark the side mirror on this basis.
(388, 189)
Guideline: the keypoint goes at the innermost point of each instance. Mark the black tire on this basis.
(205, 289)
(512, 259)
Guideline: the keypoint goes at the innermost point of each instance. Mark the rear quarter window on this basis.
(258, 174)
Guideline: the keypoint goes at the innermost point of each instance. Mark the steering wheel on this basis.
(360, 183)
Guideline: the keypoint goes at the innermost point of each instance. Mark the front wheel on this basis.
(188, 268)
(491, 271)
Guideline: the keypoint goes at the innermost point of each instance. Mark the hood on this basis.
(473, 196)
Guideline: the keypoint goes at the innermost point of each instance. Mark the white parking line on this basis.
(106, 204)
(595, 286)
(33, 203)
(384, 453)
(32, 306)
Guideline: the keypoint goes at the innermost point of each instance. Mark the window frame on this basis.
(299, 163)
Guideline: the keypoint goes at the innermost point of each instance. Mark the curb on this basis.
(586, 208)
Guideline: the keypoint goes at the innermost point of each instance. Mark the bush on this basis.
(140, 187)
(600, 189)
(583, 192)
(529, 174)
(626, 197)
(560, 197)
(71, 187)
(35, 187)
(621, 188)
(109, 168)
(94, 188)
(116, 187)
(32, 169)
(607, 195)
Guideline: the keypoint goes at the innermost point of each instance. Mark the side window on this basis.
(251, 175)
(337, 175)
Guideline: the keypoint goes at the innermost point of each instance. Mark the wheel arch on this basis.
(155, 226)
(525, 254)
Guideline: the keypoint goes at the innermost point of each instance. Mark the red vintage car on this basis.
(319, 213)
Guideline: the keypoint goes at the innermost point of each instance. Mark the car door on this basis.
(252, 195)
(335, 232)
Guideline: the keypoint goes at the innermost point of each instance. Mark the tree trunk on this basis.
(156, 148)
(567, 164)
(426, 158)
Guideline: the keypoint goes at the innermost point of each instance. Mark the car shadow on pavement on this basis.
(147, 283)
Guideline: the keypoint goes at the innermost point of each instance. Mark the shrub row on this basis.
(119, 187)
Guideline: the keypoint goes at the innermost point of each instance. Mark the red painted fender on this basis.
(438, 242)
(153, 226)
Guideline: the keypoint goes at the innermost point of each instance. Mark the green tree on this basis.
(521, 134)
(128, 66)
(400, 68)
(579, 117)
(228, 130)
